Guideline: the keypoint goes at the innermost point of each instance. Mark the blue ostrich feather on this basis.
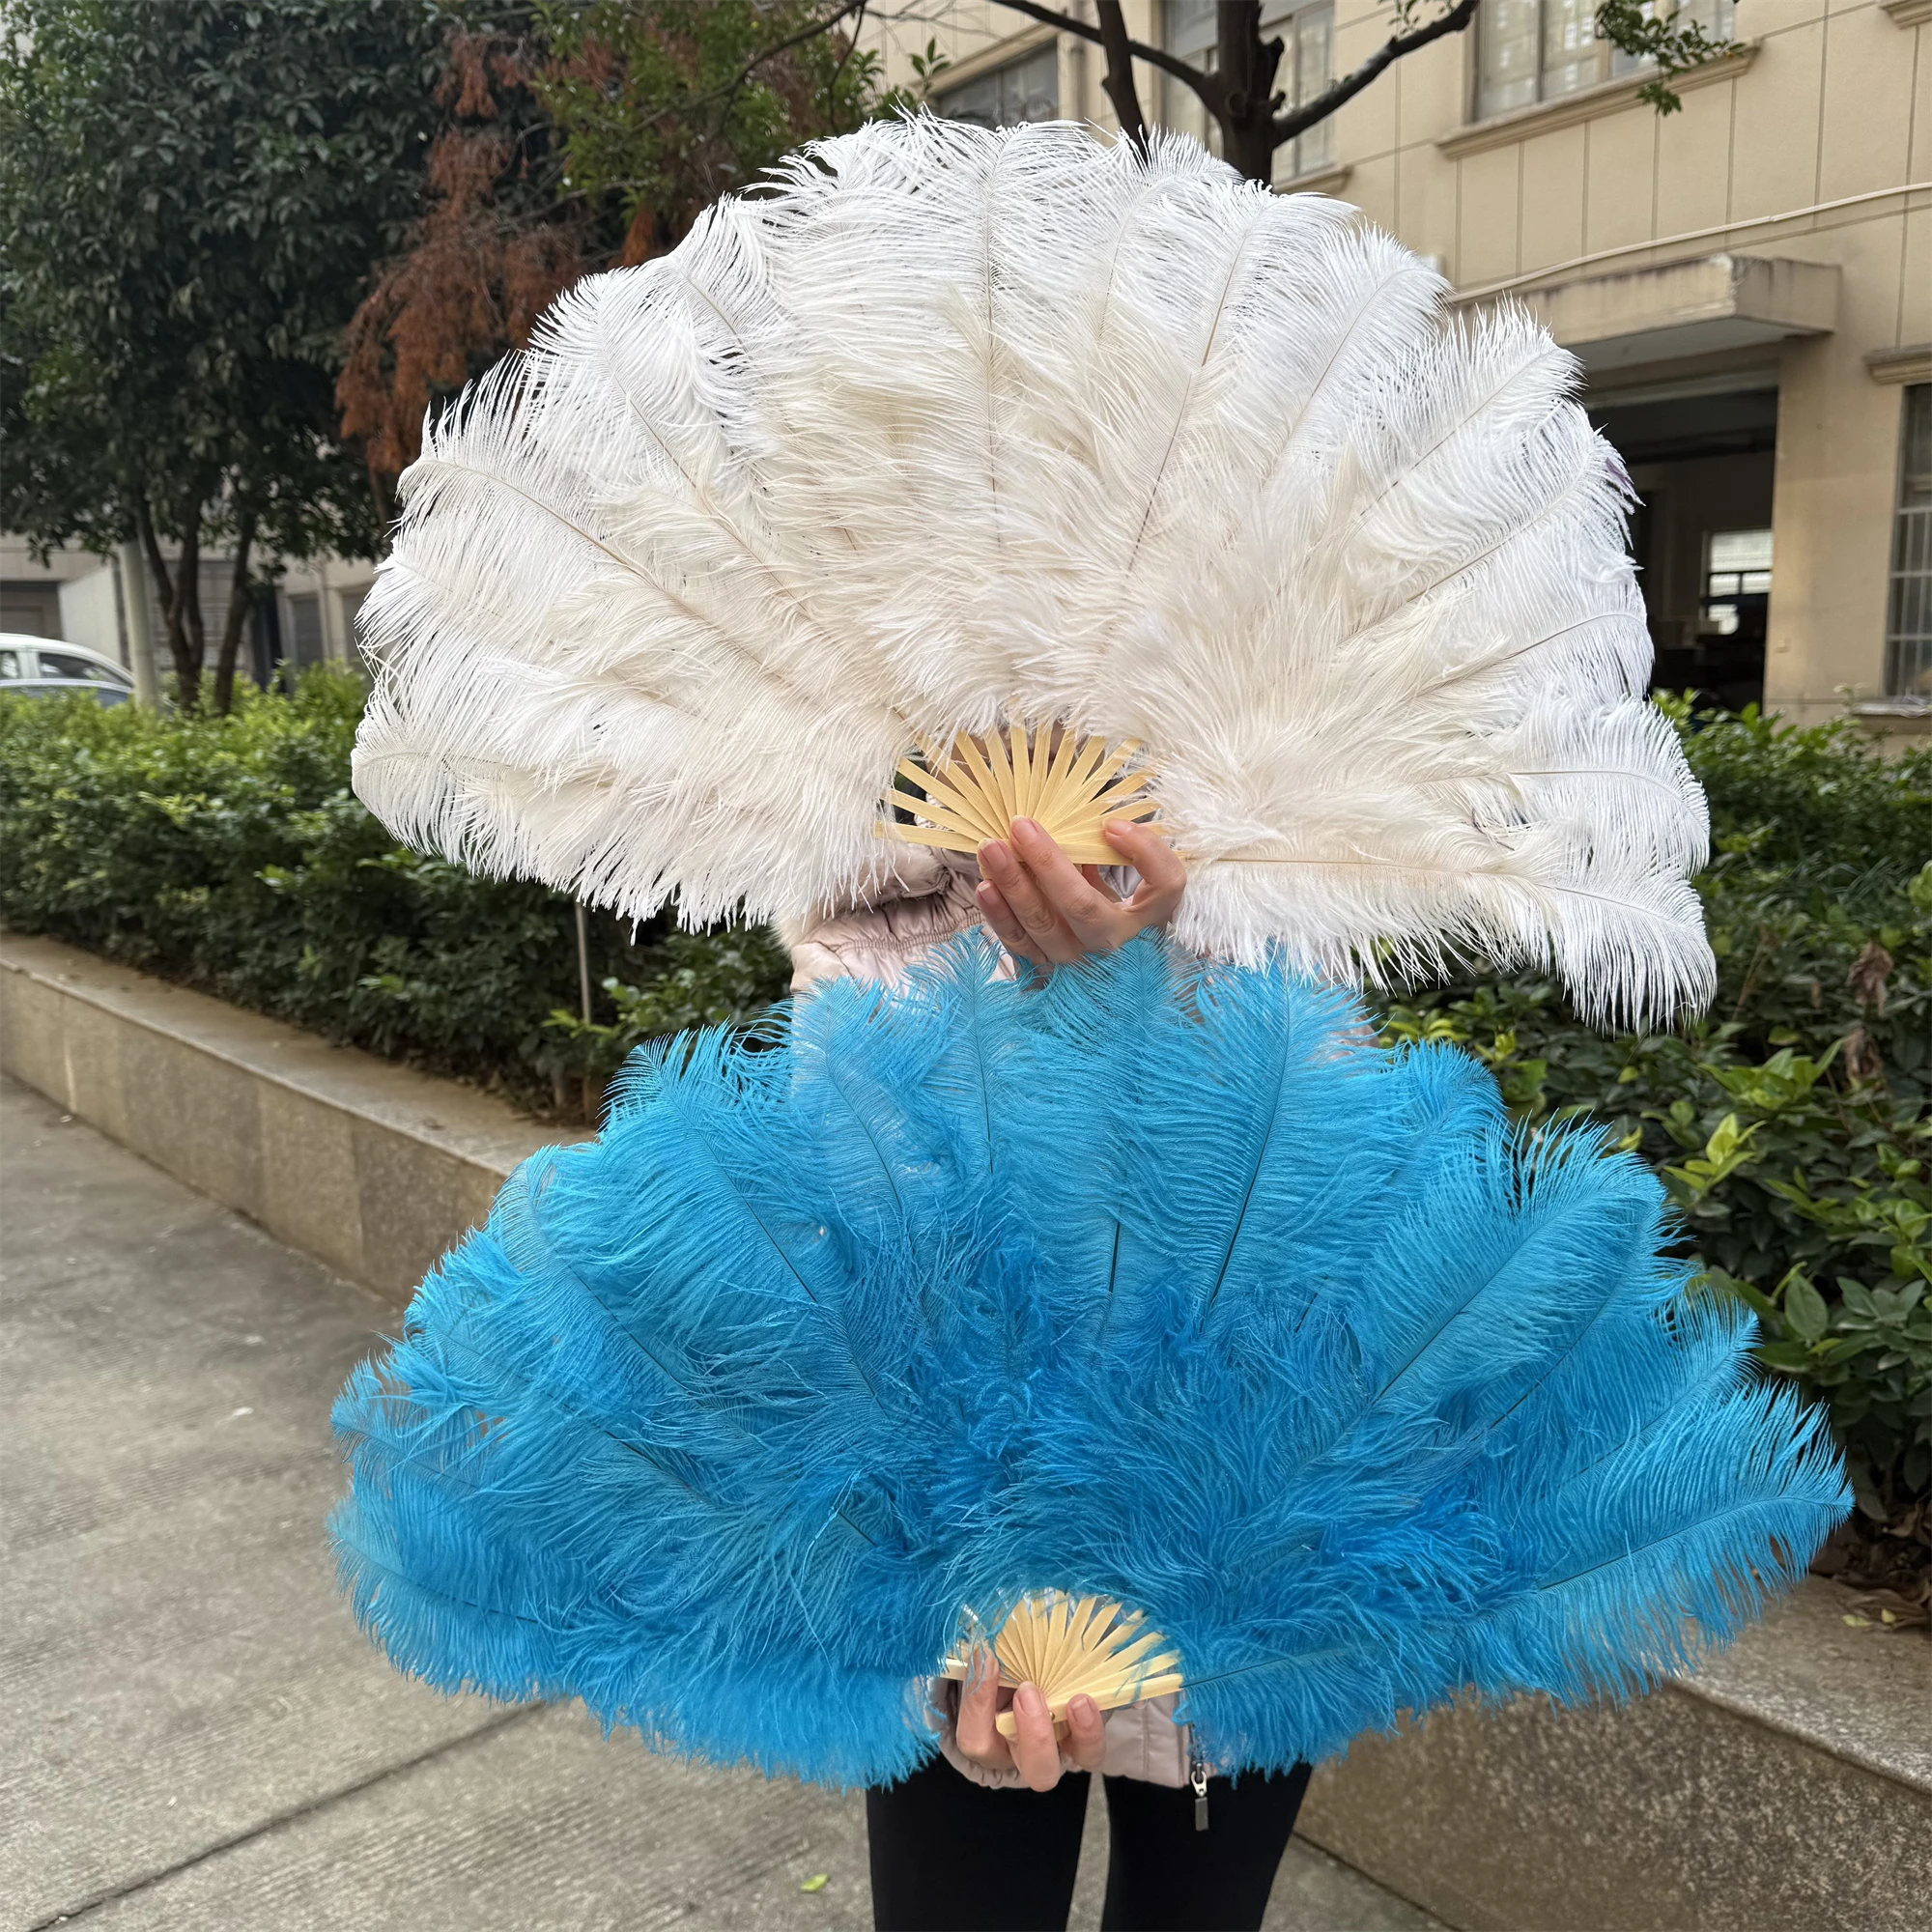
(1158, 1280)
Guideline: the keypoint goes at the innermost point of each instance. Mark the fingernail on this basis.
(1083, 1708)
(1028, 827)
(1029, 1700)
(994, 853)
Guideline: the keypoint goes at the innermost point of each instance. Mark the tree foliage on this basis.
(228, 853)
(192, 193)
(578, 136)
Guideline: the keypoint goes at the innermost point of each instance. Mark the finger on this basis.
(1035, 1750)
(975, 1732)
(1005, 926)
(1092, 915)
(1044, 927)
(1162, 869)
(1086, 1734)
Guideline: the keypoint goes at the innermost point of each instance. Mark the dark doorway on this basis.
(30, 609)
(1701, 460)
(265, 638)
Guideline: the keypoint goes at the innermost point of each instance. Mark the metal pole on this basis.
(584, 960)
(134, 607)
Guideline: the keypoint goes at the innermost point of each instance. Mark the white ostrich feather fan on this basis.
(1008, 449)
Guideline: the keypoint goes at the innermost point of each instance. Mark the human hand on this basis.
(1047, 910)
(1034, 1751)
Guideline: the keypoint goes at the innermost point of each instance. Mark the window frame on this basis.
(1045, 52)
(1607, 63)
(1308, 153)
(1911, 527)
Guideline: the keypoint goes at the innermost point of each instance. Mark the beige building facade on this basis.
(1747, 282)
(109, 603)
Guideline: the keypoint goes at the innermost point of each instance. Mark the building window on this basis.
(305, 627)
(1908, 630)
(30, 609)
(352, 609)
(1027, 89)
(1531, 50)
(1188, 28)
(1737, 581)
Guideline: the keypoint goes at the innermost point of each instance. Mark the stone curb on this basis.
(373, 1168)
(1787, 1785)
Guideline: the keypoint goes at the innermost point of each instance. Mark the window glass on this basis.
(1531, 50)
(1569, 45)
(1307, 66)
(1907, 647)
(1737, 568)
(306, 623)
(9, 664)
(1507, 32)
(1027, 89)
(65, 664)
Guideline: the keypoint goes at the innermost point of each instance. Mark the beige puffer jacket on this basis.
(918, 900)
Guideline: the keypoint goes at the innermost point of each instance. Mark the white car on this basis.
(41, 667)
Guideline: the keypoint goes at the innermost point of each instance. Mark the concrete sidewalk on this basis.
(192, 1733)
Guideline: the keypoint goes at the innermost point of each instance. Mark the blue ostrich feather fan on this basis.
(1160, 1281)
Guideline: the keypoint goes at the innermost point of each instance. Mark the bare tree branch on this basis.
(1288, 126)
(1119, 78)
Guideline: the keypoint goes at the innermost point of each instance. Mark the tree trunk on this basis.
(240, 603)
(382, 487)
(180, 602)
(187, 639)
(1118, 83)
(1246, 67)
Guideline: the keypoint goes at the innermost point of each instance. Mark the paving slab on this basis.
(192, 1731)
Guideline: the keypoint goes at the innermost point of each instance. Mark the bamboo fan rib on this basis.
(972, 790)
(1072, 1647)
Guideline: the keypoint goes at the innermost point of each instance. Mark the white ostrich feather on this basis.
(958, 430)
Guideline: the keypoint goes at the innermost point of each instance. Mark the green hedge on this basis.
(230, 853)
(1790, 1122)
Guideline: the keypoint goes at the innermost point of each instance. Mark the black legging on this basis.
(952, 1855)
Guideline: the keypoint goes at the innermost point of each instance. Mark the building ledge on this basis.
(1695, 1807)
(988, 59)
(1588, 103)
(1711, 303)
(1317, 181)
(1906, 713)
(1908, 13)
(1912, 363)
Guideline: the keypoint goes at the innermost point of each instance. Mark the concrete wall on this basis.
(371, 1168)
(1787, 1785)
(1831, 101)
